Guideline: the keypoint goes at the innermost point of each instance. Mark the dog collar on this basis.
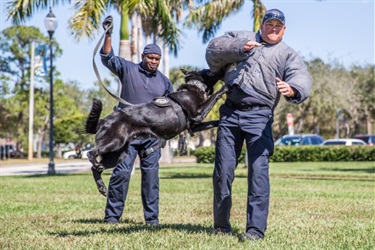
(197, 83)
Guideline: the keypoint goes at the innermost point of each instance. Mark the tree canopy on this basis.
(340, 97)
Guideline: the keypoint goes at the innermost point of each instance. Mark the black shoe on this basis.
(221, 231)
(250, 236)
(112, 222)
(152, 224)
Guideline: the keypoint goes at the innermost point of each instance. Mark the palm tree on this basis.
(89, 13)
(208, 17)
(159, 19)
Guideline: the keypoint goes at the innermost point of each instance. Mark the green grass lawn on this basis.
(313, 206)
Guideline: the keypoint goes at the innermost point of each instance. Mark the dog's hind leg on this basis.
(97, 174)
(108, 161)
(91, 155)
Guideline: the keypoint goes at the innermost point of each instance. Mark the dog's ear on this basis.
(184, 71)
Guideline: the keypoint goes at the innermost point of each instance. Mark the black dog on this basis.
(163, 118)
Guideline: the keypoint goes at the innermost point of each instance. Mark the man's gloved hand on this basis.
(108, 25)
(182, 146)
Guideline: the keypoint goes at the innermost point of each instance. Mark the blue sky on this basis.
(339, 31)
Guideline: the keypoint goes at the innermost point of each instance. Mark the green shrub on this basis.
(205, 154)
(301, 154)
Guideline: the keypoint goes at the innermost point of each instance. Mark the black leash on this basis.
(97, 72)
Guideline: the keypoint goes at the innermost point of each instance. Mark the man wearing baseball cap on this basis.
(141, 83)
(259, 69)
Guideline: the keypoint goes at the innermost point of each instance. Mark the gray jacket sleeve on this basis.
(225, 50)
(298, 77)
(255, 71)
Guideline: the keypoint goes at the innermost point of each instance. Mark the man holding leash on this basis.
(259, 68)
(141, 83)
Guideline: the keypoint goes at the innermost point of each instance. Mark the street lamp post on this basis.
(50, 22)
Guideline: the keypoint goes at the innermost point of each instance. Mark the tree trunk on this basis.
(124, 36)
(258, 12)
(369, 124)
(139, 38)
(134, 38)
(166, 60)
(41, 133)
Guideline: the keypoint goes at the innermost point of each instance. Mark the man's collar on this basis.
(147, 73)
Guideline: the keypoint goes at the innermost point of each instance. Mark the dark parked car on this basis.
(299, 139)
(9, 151)
(369, 139)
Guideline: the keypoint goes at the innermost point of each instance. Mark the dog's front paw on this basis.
(98, 167)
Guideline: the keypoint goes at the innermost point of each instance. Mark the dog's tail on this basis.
(92, 121)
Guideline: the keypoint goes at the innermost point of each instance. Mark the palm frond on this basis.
(259, 10)
(87, 19)
(168, 30)
(208, 17)
(157, 19)
(20, 11)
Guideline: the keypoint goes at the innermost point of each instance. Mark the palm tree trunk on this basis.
(134, 38)
(166, 60)
(258, 12)
(139, 38)
(124, 49)
(124, 36)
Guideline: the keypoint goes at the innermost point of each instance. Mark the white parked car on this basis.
(73, 154)
(343, 141)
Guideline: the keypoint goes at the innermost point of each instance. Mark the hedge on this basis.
(301, 154)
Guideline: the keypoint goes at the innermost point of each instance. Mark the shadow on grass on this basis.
(130, 226)
(45, 176)
(325, 177)
(369, 170)
(49, 176)
(186, 176)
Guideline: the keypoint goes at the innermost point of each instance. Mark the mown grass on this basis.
(313, 206)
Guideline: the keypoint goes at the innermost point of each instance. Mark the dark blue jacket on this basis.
(138, 85)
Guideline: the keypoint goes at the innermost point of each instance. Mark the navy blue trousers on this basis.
(119, 182)
(255, 128)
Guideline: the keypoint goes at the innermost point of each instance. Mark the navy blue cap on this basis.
(152, 48)
(274, 14)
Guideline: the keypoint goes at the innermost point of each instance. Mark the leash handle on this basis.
(119, 99)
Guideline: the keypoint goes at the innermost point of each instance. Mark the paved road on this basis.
(63, 167)
(42, 168)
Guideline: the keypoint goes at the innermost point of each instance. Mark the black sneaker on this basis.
(250, 236)
(112, 222)
(152, 224)
(222, 231)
